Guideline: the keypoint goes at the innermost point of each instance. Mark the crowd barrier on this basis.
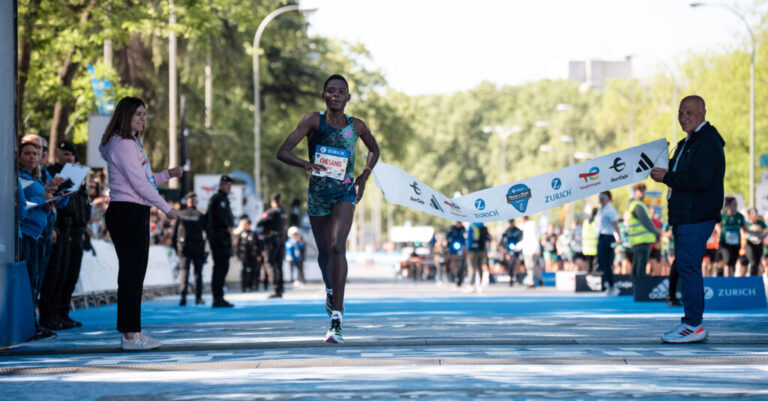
(720, 293)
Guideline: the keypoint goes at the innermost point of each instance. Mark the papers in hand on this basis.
(333, 159)
(74, 173)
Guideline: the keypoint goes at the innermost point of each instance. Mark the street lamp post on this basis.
(256, 103)
(751, 97)
(504, 133)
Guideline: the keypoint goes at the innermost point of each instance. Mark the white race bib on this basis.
(333, 159)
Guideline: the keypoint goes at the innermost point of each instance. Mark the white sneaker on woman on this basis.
(139, 342)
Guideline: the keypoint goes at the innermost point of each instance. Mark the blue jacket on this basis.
(36, 218)
(697, 184)
(21, 204)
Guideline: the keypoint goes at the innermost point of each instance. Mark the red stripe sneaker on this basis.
(685, 334)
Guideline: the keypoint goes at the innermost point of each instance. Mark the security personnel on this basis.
(589, 240)
(641, 231)
(220, 222)
(67, 253)
(189, 242)
(273, 231)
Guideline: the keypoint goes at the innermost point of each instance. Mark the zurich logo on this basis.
(479, 204)
(556, 183)
(322, 150)
(708, 293)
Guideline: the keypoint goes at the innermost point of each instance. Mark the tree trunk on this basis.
(25, 49)
(63, 107)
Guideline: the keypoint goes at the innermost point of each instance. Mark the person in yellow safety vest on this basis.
(589, 240)
(642, 232)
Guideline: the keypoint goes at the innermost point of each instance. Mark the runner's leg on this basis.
(341, 222)
(321, 229)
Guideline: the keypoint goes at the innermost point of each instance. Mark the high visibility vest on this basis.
(589, 238)
(638, 234)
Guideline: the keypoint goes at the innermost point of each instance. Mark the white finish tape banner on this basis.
(527, 196)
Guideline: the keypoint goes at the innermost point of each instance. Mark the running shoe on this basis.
(333, 335)
(139, 342)
(329, 305)
(685, 334)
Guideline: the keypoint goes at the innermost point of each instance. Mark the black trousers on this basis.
(62, 273)
(220, 270)
(275, 256)
(128, 225)
(186, 262)
(754, 254)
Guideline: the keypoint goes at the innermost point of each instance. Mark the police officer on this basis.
(189, 242)
(273, 230)
(220, 223)
(67, 253)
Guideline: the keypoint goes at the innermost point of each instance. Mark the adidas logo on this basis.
(434, 204)
(660, 291)
(645, 163)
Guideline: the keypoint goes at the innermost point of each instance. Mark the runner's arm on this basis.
(307, 125)
(373, 156)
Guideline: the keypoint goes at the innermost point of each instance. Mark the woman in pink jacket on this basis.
(133, 189)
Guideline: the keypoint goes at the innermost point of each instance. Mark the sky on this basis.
(443, 46)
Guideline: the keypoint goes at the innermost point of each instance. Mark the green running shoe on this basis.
(333, 335)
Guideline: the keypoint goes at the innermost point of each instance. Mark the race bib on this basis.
(732, 237)
(334, 160)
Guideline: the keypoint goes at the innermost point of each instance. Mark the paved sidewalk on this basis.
(403, 341)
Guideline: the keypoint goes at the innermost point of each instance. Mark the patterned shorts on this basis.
(321, 204)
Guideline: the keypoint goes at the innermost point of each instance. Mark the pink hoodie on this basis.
(127, 176)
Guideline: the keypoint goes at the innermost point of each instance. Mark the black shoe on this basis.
(673, 302)
(66, 325)
(74, 323)
(199, 301)
(222, 304)
(275, 295)
(52, 324)
(183, 302)
(43, 334)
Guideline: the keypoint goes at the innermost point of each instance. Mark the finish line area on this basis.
(404, 340)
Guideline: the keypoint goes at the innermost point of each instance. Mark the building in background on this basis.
(593, 73)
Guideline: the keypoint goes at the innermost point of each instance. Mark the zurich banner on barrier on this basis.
(526, 196)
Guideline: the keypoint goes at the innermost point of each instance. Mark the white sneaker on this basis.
(685, 334)
(139, 342)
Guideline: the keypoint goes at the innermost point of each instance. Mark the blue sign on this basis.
(734, 293)
(764, 160)
(518, 196)
(556, 183)
(479, 204)
(549, 278)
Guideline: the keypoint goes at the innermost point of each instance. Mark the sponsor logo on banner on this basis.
(417, 191)
(454, 209)
(518, 196)
(618, 165)
(435, 204)
(480, 205)
(591, 178)
(556, 184)
(416, 188)
(644, 164)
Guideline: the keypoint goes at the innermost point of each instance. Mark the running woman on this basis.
(332, 194)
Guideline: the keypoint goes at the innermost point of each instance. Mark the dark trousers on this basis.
(275, 256)
(605, 257)
(220, 270)
(62, 273)
(754, 253)
(128, 225)
(298, 265)
(690, 245)
(674, 277)
(186, 262)
(640, 255)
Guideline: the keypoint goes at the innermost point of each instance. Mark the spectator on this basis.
(642, 232)
(249, 250)
(756, 231)
(294, 248)
(589, 241)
